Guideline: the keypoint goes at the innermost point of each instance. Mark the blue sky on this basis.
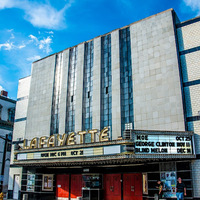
(33, 29)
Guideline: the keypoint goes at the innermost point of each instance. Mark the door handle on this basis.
(132, 188)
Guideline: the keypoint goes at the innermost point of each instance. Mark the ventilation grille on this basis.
(128, 134)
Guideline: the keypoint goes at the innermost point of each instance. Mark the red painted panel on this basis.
(107, 185)
(76, 185)
(132, 186)
(138, 186)
(117, 185)
(112, 186)
(62, 185)
(127, 180)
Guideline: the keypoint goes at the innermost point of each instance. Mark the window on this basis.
(106, 90)
(87, 88)
(11, 114)
(0, 110)
(71, 91)
(30, 183)
(56, 95)
(47, 182)
(126, 79)
(106, 82)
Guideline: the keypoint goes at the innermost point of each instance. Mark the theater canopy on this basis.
(139, 146)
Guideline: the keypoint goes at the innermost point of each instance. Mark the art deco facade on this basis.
(125, 106)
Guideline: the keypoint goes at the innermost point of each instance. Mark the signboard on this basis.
(163, 144)
(145, 183)
(47, 182)
(30, 183)
(169, 183)
(143, 144)
(71, 153)
(67, 139)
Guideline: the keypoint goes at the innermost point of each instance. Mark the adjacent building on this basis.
(7, 114)
(107, 118)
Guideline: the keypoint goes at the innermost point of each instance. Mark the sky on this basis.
(34, 29)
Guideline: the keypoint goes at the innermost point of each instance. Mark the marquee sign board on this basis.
(114, 149)
(141, 143)
(163, 144)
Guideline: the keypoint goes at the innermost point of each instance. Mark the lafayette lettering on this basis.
(62, 140)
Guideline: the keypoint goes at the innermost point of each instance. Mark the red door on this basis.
(112, 186)
(76, 185)
(132, 186)
(62, 185)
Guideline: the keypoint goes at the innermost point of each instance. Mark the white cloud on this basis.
(50, 32)
(33, 38)
(12, 36)
(45, 16)
(43, 44)
(7, 46)
(34, 58)
(194, 4)
(38, 14)
(7, 4)
(10, 30)
(21, 46)
(1, 88)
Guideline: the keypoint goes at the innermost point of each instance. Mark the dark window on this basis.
(0, 110)
(106, 90)
(11, 114)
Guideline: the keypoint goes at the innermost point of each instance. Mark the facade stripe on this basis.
(21, 119)
(190, 50)
(193, 118)
(191, 83)
(186, 23)
(22, 98)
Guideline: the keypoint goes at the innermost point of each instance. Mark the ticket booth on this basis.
(92, 187)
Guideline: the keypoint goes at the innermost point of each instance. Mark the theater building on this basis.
(107, 118)
(7, 115)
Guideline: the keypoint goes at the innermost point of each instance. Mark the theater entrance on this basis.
(112, 186)
(132, 186)
(127, 185)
